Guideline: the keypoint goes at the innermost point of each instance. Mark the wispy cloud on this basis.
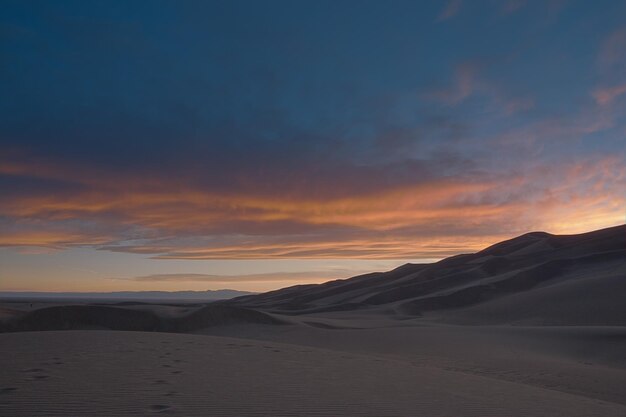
(512, 6)
(605, 96)
(308, 276)
(467, 82)
(464, 83)
(612, 52)
(433, 217)
(452, 8)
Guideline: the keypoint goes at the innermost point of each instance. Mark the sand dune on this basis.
(575, 280)
(534, 279)
(534, 326)
(154, 318)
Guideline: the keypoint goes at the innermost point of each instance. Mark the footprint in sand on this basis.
(159, 408)
(33, 370)
(7, 390)
(36, 373)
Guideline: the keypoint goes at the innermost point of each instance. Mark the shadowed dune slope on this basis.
(537, 276)
(73, 317)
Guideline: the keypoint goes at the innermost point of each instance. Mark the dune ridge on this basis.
(100, 317)
(536, 265)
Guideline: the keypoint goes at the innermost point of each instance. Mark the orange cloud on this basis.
(304, 276)
(51, 238)
(430, 219)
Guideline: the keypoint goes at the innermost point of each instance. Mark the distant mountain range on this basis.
(208, 295)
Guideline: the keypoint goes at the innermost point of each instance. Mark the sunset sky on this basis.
(176, 145)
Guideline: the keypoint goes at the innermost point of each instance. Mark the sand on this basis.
(534, 326)
(79, 373)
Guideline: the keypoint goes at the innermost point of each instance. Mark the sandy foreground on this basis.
(402, 371)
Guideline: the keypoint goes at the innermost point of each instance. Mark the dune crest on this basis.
(549, 279)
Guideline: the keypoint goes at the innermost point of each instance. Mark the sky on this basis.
(192, 145)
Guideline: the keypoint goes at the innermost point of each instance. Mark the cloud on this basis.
(605, 96)
(308, 276)
(302, 143)
(612, 53)
(401, 244)
(512, 6)
(435, 215)
(21, 232)
(464, 84)
(453, 7)
(468, 82)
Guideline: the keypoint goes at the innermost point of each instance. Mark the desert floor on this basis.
(318, 366)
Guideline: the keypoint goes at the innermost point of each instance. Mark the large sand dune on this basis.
(152, 318)
(536, 278)
(534, 326)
